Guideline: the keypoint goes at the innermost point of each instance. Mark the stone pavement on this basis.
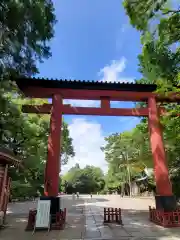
(85, 221)
(136, 224)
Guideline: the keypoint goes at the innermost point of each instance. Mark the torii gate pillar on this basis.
(54, 145)
(164, 198)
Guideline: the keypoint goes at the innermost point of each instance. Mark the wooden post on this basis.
(54, 142)
(105, 103)
(7, 197)
(3, 187)
(163, 184)
(109, 214)
(104, 214)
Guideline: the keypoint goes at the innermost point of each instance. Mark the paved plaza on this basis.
(85, 221)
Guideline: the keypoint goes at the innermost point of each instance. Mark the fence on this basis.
(112, 215)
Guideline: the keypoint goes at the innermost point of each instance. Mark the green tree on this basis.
(160, 17)
(86, 180)
(127, 155)
(27, 135)
(159, 24)
(26, 28)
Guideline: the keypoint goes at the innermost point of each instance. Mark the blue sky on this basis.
(93, 40)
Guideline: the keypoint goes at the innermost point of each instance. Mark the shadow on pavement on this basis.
(22, 208)
(17, 217)
(136, 223)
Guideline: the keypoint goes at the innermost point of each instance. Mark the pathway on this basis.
(85, 221)
(135, 220)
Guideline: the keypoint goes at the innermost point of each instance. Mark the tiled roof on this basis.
(7, 156)
(24, 82)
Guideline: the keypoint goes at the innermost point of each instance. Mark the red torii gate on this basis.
(105, 92)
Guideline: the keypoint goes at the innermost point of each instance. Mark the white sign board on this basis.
(43, 214)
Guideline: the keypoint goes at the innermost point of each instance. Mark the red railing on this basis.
(112, 215)
(165, 219)
(58, 225)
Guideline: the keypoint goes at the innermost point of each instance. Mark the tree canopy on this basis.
(159, 24)
(160, 17)
(27, 136)
(83, 180)
(26, 29)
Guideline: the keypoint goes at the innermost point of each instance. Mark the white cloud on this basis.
(87, 135)
(109, 73)
(112, 72)
(87, 140)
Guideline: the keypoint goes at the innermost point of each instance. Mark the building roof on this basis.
(8, 157)
(25, 82)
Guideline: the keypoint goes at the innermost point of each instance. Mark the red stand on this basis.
(165, 219)
(31, 220)
(60, 220)
(112, 215)
(58, 225)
